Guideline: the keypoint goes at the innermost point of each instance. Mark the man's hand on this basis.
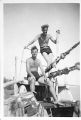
(77, 66)
(58, 31)
(33, 77)
(45, 78)
(25, 47)
(62, 56)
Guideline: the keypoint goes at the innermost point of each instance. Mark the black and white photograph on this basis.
(41, 53)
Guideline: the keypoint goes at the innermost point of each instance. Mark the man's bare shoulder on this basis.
(48, 35)
(38, 61)
(29, 59)
(37, 36)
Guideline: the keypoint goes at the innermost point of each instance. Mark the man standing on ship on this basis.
(43, 40)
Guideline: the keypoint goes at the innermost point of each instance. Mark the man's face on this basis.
(34, 53)
(45, 30)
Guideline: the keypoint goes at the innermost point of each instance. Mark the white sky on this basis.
(22, 22)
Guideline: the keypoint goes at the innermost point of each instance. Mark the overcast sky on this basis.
(22, 22)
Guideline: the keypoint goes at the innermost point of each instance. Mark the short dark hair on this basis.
(43, 26)
(33, 48)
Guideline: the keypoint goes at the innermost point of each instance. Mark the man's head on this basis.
(44, 28)
(34, 51)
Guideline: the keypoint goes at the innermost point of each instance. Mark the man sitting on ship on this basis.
(32, 65)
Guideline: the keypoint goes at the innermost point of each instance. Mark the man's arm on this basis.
(31, 42)
(53, 40)
(57, 35)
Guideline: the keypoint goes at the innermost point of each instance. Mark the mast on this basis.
(15, 77)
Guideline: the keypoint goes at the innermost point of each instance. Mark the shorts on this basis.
(47, 50)
(36, 74)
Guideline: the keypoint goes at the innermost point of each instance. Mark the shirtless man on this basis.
(43, 40)
(32, 65)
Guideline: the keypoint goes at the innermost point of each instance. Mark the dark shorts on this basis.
(36, 74)
(47, 50)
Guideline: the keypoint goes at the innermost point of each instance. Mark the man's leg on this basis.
(32, 84)
(45, 93)
(51, 88)
(51, 57)
(46, 57)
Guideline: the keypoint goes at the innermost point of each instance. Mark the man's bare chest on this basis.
(34, 64)
(44, 38)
